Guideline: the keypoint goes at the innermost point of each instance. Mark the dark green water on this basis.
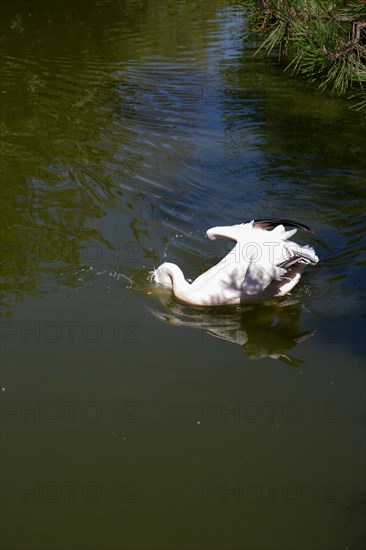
(129, 420)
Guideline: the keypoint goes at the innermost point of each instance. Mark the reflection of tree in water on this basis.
(262, 330)
(72, 113)
(297, 120)
(44, 226)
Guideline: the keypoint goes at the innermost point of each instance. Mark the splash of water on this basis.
(176, 236)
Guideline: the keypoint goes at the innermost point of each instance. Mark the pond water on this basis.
(131, 421)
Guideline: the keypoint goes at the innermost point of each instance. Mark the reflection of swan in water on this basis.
(263, 264)
(262, 330)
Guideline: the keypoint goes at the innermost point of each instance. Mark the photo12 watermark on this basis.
(69, 412)
(33, 249)
(69, 492)
(268, 492)
(272, 412)
(226, 170)
(223, 11)
(68, 332)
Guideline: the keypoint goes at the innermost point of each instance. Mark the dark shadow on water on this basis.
(262, 330)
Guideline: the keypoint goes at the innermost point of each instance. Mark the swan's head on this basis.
(162, 275)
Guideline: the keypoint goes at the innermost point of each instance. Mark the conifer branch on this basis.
(324, 40)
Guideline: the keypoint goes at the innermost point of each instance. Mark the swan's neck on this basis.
(180, 286)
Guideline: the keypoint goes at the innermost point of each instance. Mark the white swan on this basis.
(263, 264)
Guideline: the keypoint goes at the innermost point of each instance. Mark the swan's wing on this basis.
(279, 279)
(236, 232)
(230, 232)
(273, 222)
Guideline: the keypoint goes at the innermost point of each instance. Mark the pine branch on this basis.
(325, 41)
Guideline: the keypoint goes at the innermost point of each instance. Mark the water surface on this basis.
(130, 420)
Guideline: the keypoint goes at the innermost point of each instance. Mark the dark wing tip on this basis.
(297, 259)
(273, 222)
